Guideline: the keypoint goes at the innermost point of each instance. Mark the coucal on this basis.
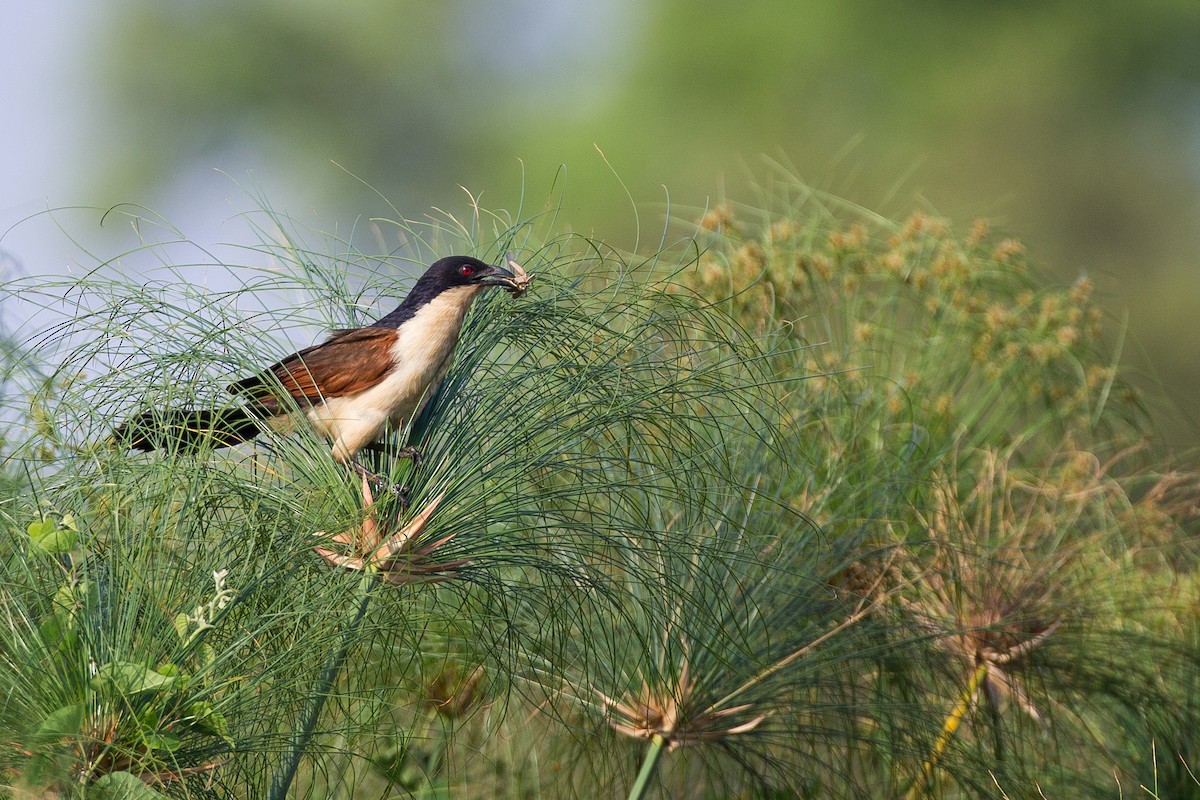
(352, 386)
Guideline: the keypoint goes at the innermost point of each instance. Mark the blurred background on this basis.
(1073, 126)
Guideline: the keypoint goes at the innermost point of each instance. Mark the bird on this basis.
(353, 386)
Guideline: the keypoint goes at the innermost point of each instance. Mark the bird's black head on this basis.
(454, 271)
(447, 274)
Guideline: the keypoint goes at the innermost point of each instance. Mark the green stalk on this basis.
(649, 762)
(302, 738)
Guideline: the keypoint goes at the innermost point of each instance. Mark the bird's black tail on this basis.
(187, 429)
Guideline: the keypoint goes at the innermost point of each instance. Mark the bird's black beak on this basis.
(496, 276)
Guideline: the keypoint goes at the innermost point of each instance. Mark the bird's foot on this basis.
(398, 490)
(411, 453)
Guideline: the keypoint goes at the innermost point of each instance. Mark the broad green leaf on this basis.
(162, 741)
(62, 645)
(121, 786)
(149, 718)
(60, 723)
(47, 537)
(65, 599)
(53, 628)
(181, 623)
(208, 720)
(208, 656)
(41, 528)
(125, 678)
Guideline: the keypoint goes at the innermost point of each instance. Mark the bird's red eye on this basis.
(465, 270)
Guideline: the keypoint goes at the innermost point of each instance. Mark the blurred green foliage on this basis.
(1075, 124)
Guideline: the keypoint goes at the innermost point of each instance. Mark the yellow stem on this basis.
(948, 729)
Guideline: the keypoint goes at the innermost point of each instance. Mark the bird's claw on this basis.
(412, 454)
(398, 490)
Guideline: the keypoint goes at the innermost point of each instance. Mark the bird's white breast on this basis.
(421, 356)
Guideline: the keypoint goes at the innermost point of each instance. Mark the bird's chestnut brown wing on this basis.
(347, 363)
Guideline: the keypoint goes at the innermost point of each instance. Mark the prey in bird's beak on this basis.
(515, 280)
